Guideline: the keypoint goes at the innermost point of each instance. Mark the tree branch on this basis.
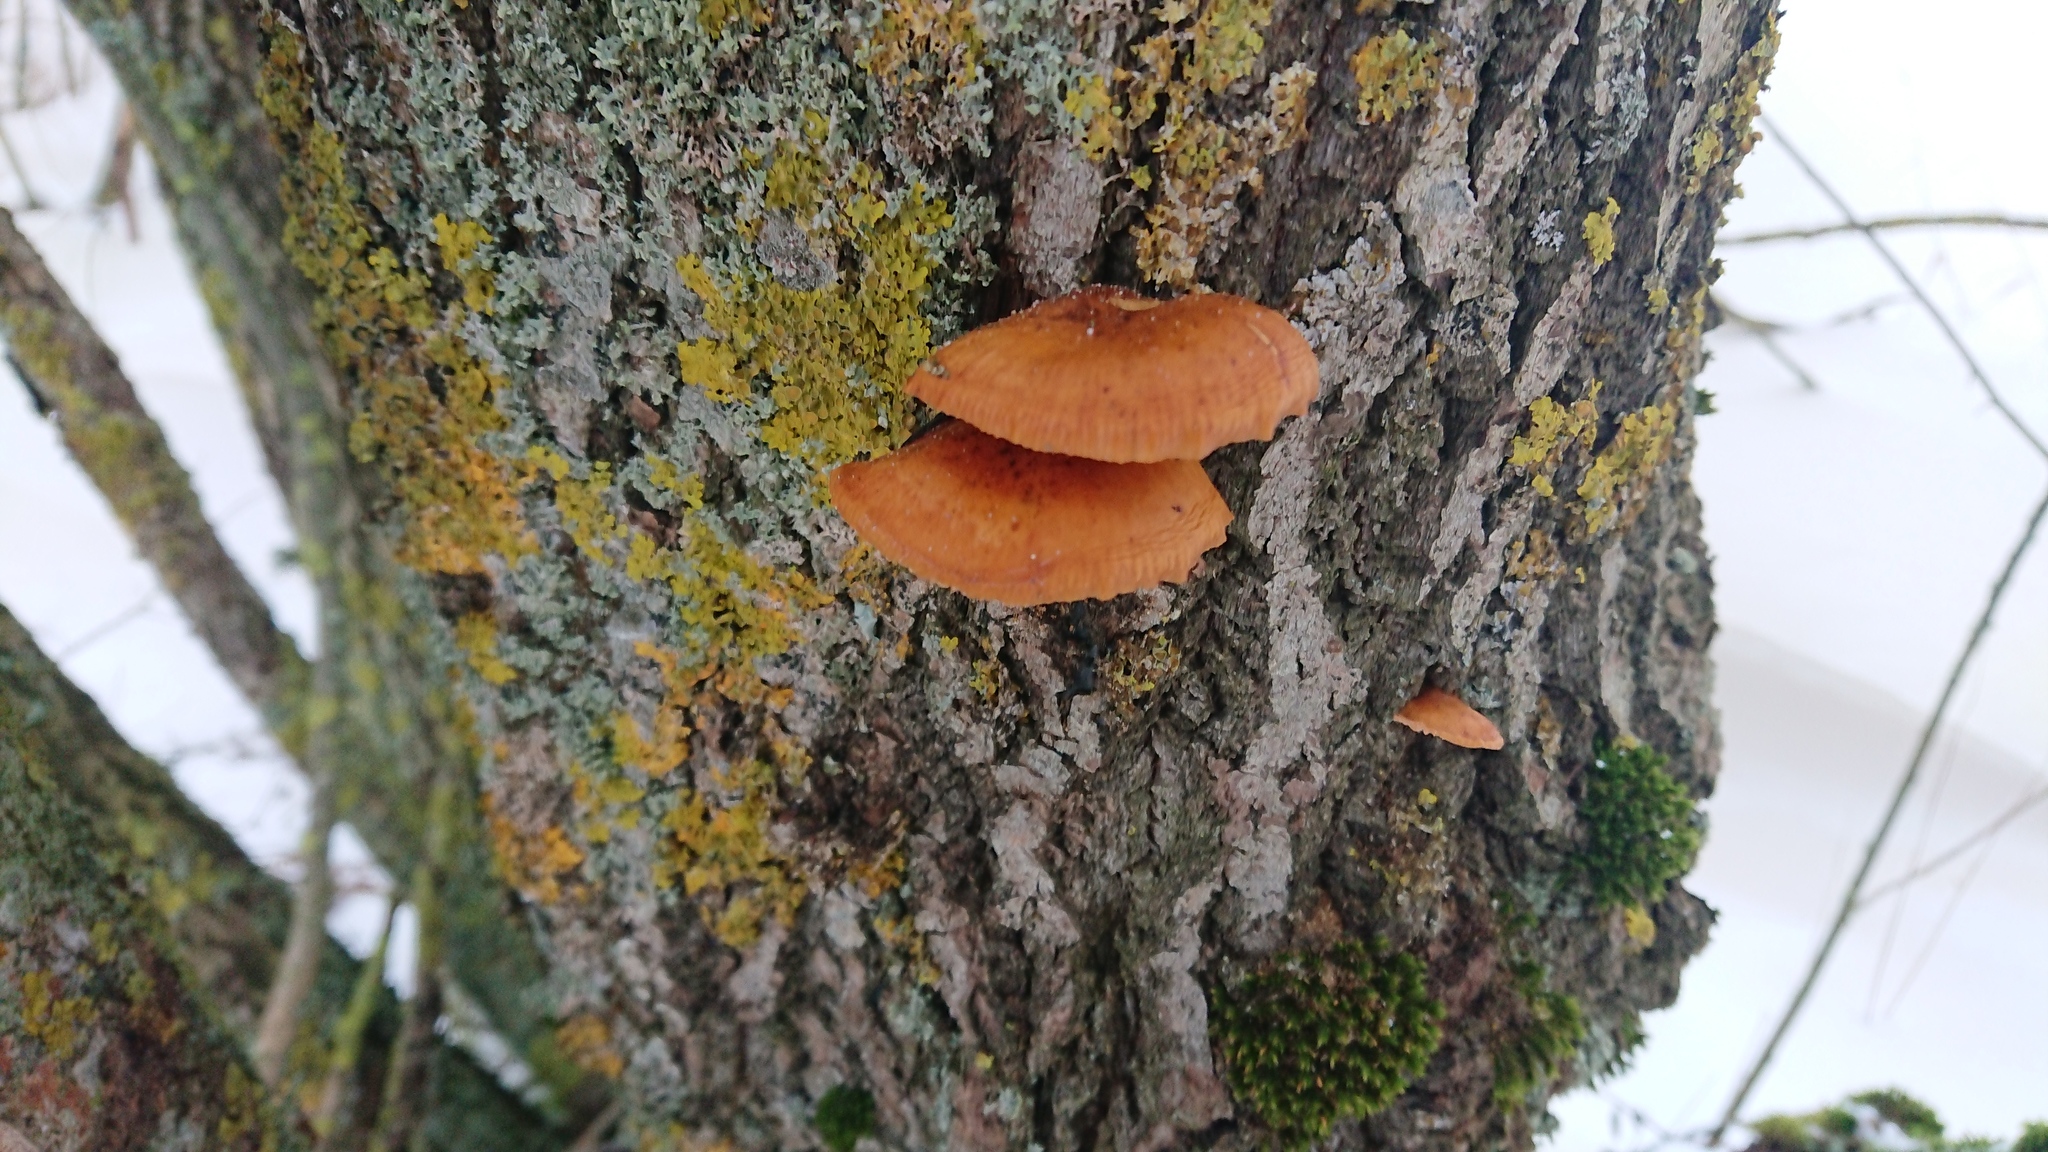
(226, 916)
(123, 451)
(1890, 223)
(1912, 286)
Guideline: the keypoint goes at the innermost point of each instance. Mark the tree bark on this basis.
(606, 290)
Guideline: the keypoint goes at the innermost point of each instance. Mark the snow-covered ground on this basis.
(1856, 529)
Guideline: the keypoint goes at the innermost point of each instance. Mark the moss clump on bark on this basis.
(1865, 1122)
(844, 1115)
(1314, 1039)
(1642, 827)
(1549, 1035)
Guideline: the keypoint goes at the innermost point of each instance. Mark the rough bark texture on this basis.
(103, 1043)
(608, 286)
(197, 906)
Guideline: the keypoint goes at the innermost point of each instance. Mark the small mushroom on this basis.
(1001, 522)
(1435, 712)
(1107, 374)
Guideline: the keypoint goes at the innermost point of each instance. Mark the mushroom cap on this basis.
(1107, 374)
(1435, 712)
(1001, 522)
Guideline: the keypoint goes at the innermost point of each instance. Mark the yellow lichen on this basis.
(1599, 232)
(724, 848)
(423, 402)
(830, 361)
(1198, 163)
(1725, 134)
(477, 637)
(586, 1039)
(1623, 470)
(1395, 72)
(714, 15)
(52, 1018)
(918, 43)
(533, 865)
(1136, 666)
(1554, 428)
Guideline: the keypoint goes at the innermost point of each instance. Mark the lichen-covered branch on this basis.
(77, 378)
(224, 918)
(103, 1044)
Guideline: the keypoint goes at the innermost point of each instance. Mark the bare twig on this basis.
(1890, 223)
(115, 178)
(1912, 286)
(1956, 851)
(1852, 899)
(303, 942)
(31, 202)
(1766, 333)
(348, 1033)
(405, 1085)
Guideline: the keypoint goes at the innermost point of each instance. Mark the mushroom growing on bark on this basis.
(1111, 375)
(1001, 522)
(1435, 712)
(1071, 472)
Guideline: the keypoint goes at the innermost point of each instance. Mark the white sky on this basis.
(1855, 531)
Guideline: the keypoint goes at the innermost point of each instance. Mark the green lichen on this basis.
(844, 1115)
(1312, 1039)
(1395, 72)
(1642, 827)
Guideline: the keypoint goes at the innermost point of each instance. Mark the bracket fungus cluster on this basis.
(1071, 471)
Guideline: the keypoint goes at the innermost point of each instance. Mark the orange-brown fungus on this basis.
(1111, 375)
(1438, 713)
(999, 522)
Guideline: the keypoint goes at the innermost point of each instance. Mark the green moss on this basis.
(1535, 1049)
(2033, 1138)
(844, 1115)
(1913, 1118)
(1642, 827)
(1314, 1039)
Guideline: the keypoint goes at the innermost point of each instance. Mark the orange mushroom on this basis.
(1108, 374)
(1438, 713)
(1001, 522)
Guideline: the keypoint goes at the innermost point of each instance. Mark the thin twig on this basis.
(1956, 851)
(304, 941)
(1851, 899)
(1911, 285)
(348, 1033)
(1890, 223)
(1766, 333)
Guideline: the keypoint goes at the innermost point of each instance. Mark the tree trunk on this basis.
(606, 289)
